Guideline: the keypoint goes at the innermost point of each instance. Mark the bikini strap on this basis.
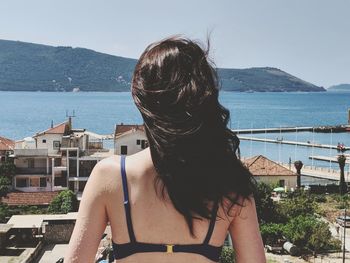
(126, 200)
(212, 223)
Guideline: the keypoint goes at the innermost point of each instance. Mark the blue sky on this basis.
(307, 38)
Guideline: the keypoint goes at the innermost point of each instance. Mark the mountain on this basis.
(263, 79)
(34, 67)
(340, 87)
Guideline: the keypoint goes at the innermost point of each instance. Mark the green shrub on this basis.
(265, 207)
(301, 205)
(66, 201)
(308, 232)
(5, 185)
(271, 232)
(227, 255)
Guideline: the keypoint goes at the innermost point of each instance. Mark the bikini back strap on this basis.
(126, 201)
(212, 223)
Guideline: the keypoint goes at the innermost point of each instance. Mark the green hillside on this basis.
(34, 67)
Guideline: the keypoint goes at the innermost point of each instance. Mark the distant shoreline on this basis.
(120, 91)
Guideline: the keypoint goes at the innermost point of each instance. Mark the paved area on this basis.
(52, 253)
(16, 255)
(330, 258)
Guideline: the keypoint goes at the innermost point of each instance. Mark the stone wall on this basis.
(58, 233)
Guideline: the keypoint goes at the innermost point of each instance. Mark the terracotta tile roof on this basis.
(261, 166)
(6, 144)
(57, 129)
(121, 128)
(29, 198)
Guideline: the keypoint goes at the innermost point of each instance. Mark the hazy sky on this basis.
(307, 38)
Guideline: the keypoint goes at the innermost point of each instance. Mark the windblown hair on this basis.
(175, 87)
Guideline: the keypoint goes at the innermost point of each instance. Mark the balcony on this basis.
(32, 170)
(30, 152)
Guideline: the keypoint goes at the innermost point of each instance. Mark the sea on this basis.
(22, 114)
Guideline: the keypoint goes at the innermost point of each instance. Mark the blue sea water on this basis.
(25, 113)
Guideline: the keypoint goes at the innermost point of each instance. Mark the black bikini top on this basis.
(128, 249)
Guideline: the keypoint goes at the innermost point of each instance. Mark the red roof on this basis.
(6, 144)
(57, 129)
(261, 166)
(29, 198)
(121, 128)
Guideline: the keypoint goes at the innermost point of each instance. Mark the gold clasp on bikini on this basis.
(169, 249)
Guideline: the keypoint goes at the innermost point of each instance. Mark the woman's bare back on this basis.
(154, 219)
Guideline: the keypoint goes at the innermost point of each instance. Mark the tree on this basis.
(309, 233)
(5, 185)
(7, 169)
(302, 204)
(66, 201)
(227, 255)
(342, 185)
(265, 206)
(271, 233)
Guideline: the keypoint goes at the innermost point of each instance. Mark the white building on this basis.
(270, 172)
(39, 162)
(129, 139)
(57, 158)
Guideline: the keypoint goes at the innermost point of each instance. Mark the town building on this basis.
(129, 139)
(55, 159)
(270, 172)
(6, 148)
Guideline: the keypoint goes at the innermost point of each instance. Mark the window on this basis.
(21, 182)
(44, 140)
(124, 149)
(31, 163)
(56, 145)
(42, 182)
(144, 144)
(34, 182)
(281, 183)
(138, 142)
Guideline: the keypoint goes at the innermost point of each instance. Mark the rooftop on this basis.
(122, 128)
(262, 166)
(6, 144)
(57, 129)
(35, 221)
(29, 198)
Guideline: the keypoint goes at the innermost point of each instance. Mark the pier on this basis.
(324, 129)
(273, 130)
(320, 172)
(329, 159)
(306, 144)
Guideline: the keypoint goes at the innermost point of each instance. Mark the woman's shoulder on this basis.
(105, 176)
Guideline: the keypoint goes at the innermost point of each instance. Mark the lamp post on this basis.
(298, 165)
(342, 185)
(342, 190)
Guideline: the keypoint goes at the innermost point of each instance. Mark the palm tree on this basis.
(342, 185)
(298, 165)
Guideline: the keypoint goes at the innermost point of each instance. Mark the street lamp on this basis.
(298, 165)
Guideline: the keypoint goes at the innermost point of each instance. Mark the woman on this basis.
(176, 200)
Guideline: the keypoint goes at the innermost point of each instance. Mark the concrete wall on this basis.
(289, 181)
(58, 233)
(22, 162)
(129, 140)
(50, 138)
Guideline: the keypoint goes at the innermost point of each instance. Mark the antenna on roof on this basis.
(70, 118)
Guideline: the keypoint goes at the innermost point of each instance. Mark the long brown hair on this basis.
(175, 87)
